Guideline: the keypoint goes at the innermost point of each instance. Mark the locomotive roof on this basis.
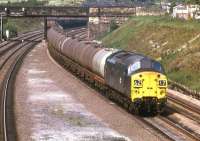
(128, 59)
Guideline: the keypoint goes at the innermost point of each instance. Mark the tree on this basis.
(113, 25)
(197, 2)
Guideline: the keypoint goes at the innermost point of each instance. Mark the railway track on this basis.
(80, 33)
(168, 124)
(18, 39)
(11, 54)
(187, 117)
(171, 128)
(8, 51)
(190, 112)
(77, 33)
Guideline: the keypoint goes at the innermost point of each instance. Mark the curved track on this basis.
(166, 124)
(11, 54)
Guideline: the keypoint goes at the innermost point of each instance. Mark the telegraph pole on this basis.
(45, 28)
(1, 27)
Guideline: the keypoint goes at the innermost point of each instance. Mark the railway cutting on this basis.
(71, 79)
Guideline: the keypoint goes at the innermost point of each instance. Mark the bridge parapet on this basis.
(43, 11)
(65, 11)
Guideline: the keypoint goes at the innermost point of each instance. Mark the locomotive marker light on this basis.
(137, 83)
(162, 83)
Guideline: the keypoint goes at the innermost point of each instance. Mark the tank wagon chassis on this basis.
(97, 82)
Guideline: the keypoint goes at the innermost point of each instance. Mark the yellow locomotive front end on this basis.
(148, 90)
(141, 79)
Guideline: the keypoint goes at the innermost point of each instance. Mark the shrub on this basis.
(113, 25)
(12, 29)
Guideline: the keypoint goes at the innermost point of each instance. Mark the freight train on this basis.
(141, 80)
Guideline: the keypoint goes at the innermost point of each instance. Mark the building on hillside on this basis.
(3, 2)
(197, 15)
(185, 11)
(65, 2)
(166, 6)
(149, 11)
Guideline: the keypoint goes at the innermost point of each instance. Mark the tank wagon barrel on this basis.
(140, 79)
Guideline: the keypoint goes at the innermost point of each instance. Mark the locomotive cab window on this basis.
(148, 64)
(157, 67)
(134, 67)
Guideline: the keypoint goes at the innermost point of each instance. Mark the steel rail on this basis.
(15, 50)
(7, 84)
(158, 128)
(185, 105)
(19, 38)
(183, 130)
(5, 97)
(13, 44)
(173, 108)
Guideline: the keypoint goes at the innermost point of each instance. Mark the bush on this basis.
(12, 29)
(113, 26)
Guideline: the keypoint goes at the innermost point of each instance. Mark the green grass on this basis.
(26, 24)
(165, 39)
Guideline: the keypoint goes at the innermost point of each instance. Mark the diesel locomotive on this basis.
(139, 78)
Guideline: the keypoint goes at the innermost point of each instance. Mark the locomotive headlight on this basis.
(137, 83)
(162, 83)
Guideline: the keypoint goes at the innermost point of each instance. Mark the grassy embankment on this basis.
(26, 24)
(175, 43)
(17, 26)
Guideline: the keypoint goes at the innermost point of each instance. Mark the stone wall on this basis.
(100, 25)
(97, 30)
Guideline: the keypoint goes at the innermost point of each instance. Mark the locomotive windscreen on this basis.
(148, 64)
(145, 64)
